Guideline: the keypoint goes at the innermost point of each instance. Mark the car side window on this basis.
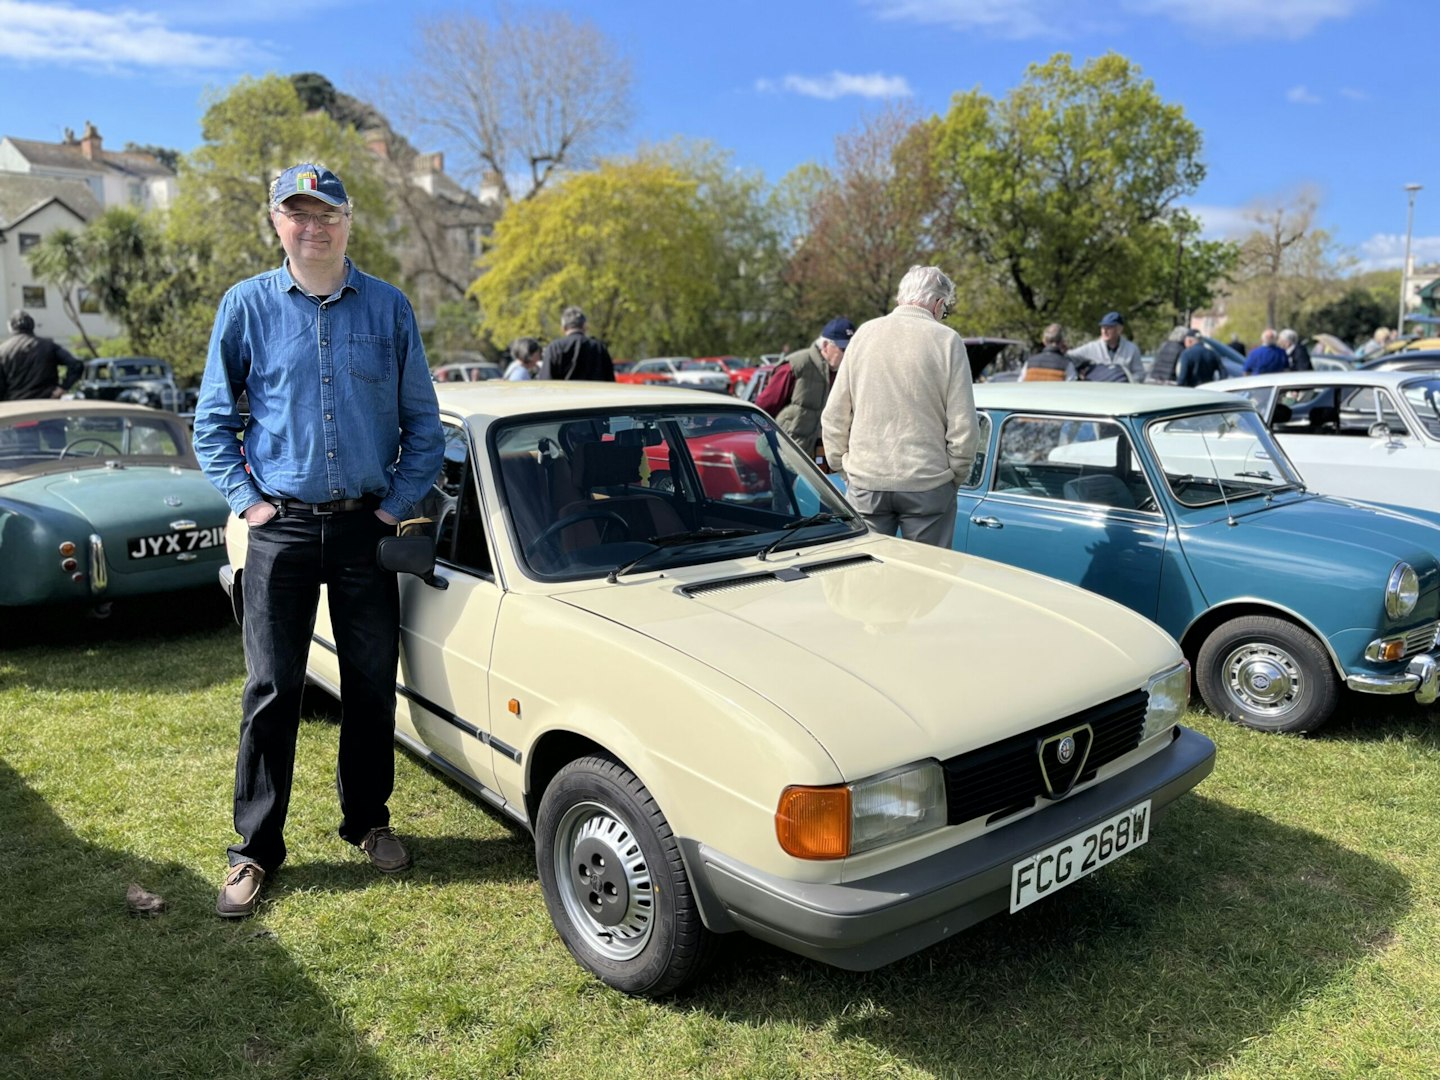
(454, 504)
(1070, 460)
(977, 470)
(1367, 406)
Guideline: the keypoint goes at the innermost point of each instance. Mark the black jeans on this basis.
(289, 558)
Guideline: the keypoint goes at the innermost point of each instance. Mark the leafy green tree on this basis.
(1060, 199)
(1352, 317)
(628, 242)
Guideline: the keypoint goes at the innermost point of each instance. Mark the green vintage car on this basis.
(100, 500)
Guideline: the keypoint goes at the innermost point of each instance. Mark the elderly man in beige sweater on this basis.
(900, 423)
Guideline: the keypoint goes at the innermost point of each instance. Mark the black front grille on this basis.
(1005, 776)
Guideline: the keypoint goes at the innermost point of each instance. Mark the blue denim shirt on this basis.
(341, 400)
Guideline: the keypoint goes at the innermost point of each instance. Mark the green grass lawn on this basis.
(1282, 922)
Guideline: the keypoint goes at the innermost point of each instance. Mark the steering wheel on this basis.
(592, 514)
(89, 439)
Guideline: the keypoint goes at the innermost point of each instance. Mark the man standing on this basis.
(1297, 356)
(900, 422)
(1265, 357)
(1167, 357)
(1198, 364)
(575, 355)
(525, 353)
(342, 439)
(1050, 364)
(1112, 347)
(797, 391)
(30, 365)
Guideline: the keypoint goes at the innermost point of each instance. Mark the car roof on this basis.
(535, 396)
(43, 407)
(1117, 399)
(1330, 378)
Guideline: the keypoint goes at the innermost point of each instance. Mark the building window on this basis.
(89, 302)
(28, 240)
(32, 295)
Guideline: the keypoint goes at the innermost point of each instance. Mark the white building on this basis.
(115, 178)
(30, 209)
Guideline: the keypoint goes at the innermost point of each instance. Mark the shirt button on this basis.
(330, 454)
(328, 416)
(335, 491)
(325, 380)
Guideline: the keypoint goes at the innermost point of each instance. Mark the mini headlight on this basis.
(833, 822)
(1169, 698)
(1402, 591)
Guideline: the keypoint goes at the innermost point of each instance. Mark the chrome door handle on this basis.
(987, 522)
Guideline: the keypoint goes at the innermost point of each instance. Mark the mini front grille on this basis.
(1421, 639)
(1006, 776)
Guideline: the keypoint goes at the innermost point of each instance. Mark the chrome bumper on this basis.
(1421, 678)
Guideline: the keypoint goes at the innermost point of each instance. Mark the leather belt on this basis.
(338, 506)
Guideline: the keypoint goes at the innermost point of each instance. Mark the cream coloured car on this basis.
(755, 716)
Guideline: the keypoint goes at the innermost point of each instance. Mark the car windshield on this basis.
(1424, 398)
(1216, 457)
(590, 494)
(31, 440)
(702, 365)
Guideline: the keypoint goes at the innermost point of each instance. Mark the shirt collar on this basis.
(287, 280)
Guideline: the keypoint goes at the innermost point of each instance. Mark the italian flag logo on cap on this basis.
(307, 181)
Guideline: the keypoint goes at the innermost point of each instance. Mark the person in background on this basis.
(1198, 365)
(1265, 357)
(525, 357)
(30, 366)
(1050, 364)
(900, 423)
(1377, 342)
(576, 355)
(341, 439)
(799, 388)
(1297, 356)
(1238, 345)
(1167, 357)
(1112, 347)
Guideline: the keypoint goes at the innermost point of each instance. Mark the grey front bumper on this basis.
(1421, 678)
(866, 924)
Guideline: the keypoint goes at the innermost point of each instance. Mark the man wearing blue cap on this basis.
(797, 392)
(342, 438)
(1112, 347)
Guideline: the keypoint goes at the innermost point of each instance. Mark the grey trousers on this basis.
(926, 516)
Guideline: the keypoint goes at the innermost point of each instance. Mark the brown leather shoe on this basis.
(386, 853)
(241, 892)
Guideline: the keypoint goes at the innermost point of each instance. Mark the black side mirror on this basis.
(410, 555)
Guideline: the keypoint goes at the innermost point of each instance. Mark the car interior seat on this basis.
(1102, 489)
(597, 470)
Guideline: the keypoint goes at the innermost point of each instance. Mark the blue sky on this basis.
(1288, 93)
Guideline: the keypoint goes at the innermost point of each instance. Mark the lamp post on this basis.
(1405, 269)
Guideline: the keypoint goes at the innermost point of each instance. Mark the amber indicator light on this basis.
(814, 822)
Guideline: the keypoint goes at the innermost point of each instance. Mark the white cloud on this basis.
(53, 33)
(1301, 95)
(1386, 251)
(1002, 18)
(838, 84)
(1222, 222)
(1290, 19)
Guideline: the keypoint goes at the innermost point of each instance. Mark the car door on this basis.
(446, 633)
(1068, 498)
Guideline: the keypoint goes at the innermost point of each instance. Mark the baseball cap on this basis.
(1112, 318)
(308, 178)
(840, 331)
(1191, 332)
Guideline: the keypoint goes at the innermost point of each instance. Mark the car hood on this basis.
(1345, 532)
(136, 500)
(925, 652)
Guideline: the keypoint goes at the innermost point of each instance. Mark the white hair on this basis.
(1289, 337)
(924, 285)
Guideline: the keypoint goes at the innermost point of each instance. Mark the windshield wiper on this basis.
(670, 540)
(1261, 475)
(824, 517)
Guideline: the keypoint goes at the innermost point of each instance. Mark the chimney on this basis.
(437, 162)
(90, 142)
(490, 187)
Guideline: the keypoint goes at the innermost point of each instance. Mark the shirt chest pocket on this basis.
(371, 357)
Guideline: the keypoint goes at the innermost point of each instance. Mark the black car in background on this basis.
(139, 380)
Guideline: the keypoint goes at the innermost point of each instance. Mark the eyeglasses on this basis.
(325, 217)
(945, 308)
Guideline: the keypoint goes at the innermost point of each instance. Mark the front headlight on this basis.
(1169, 698)
(833, 822)
(1402, 591)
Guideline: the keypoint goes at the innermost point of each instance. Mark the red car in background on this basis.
(738, 369)
(727, 454)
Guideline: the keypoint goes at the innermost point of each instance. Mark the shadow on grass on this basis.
(439, 860)
(1376, 718)
(87, 990)
(1163, 965)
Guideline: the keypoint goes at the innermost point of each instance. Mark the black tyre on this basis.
(1267, 674)
(614, 881)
